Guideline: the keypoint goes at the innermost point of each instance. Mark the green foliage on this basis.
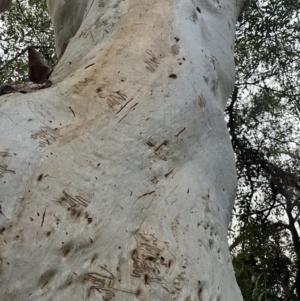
(26, 24)
(259, 262)
(263, 119)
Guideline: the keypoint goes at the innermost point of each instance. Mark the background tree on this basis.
(263, 120)
(27, 23)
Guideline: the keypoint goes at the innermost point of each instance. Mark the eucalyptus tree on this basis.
(118, 181)
(263, 119)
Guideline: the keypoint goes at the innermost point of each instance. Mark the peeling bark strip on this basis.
(148, 234)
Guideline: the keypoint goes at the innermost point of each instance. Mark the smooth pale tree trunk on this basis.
(117, 183)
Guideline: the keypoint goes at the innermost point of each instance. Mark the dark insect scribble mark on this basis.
(1, 212)
(108, 274)
(175, 49)
(46, 135)
(5, 154)
(82, 83)
(69, 202)
(131, 109)
(43, 218)
(172, 191)
(16, 123)
(167, 174)
(150, 144)
(101, 283)
(152, 63)
(4, 169)
(214, 61)
(92, 36)
(148, 261)
(116, 99)
(89, 65)
(194, 16)
(180, 132)
(173, 202)
(201, 101)
(147, 193)
(72, 111)
(122, 107)
(166, 143)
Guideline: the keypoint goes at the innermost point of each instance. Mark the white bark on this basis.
(117, 183)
